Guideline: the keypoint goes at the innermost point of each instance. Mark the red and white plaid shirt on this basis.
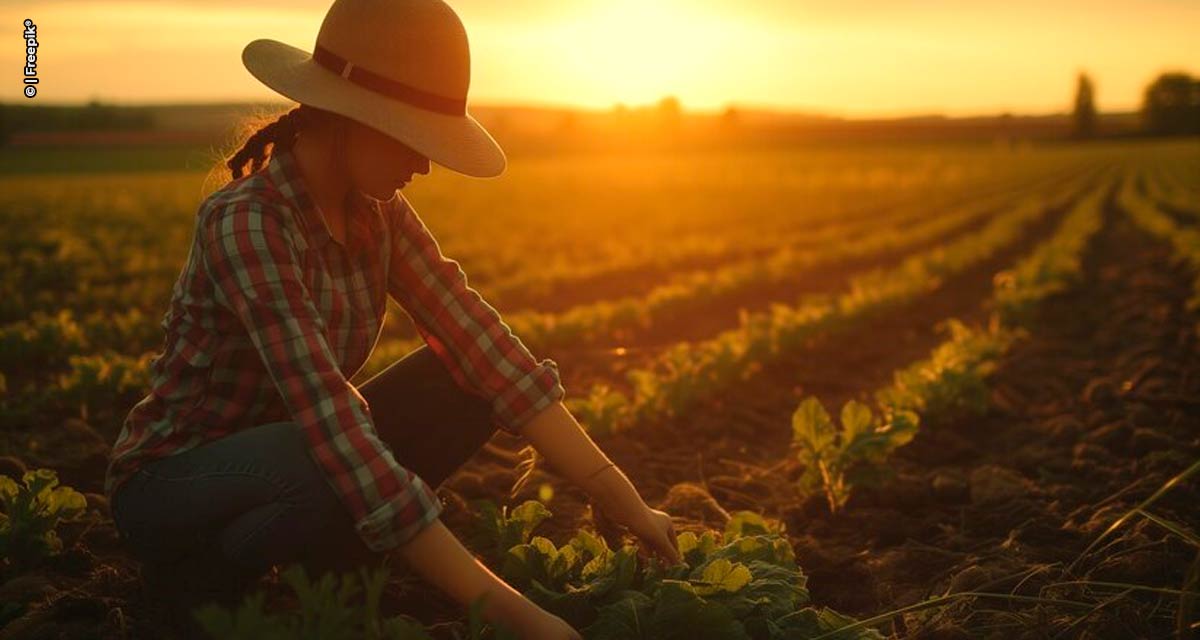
(271, 316)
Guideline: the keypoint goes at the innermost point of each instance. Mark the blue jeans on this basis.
(238, 505)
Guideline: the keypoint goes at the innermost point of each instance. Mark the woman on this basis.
(252, 448)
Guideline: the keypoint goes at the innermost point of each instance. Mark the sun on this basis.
(633, 51)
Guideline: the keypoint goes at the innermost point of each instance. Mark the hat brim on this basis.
(458, 142)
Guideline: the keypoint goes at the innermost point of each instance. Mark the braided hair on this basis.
(277, 134)
(280, 133)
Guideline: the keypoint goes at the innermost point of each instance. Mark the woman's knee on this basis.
(420, 381)
(240, 489)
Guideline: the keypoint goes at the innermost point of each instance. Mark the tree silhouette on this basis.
(1171, 105)
(669, 113)
(730, 117)
(1085, 107)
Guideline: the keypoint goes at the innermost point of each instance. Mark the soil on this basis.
(1088, 416)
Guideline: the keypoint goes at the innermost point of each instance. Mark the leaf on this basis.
(570, 604)
(63, 502)
(686, 542)
(722, 575)
(627, 618)
(529, 515)
(746, 523)
(856, 419)
(587, 543)
(8, 488)
(562, 564)
(903, 427)
(812, 427)
(681, 614)
(619, 573)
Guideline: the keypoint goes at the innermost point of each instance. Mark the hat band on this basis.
(386, 86)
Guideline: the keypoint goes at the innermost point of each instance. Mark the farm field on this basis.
(915, 391)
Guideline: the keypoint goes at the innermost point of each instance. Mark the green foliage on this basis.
(684, 372)
(952, 381)
(329, 610)
(837, 458)
(100, 381)
(1184, 239)
(1054, 266)
(740, 583)
(97, 387)
(32, 511)
(496, 530)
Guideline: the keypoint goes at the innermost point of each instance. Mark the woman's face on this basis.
(378, 163)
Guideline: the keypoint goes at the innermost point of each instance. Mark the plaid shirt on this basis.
(271, 316)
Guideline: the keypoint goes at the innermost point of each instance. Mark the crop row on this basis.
(742, 582)
(687, 372)
(616, 320)
(516, 286)
(952, 381)
(1185, 240)
(620, 319)
(87, 364)
(1163, 185)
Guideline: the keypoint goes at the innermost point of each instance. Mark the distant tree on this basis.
(1171, 105)
(1085, 107)
(669, 112)
(730, 117)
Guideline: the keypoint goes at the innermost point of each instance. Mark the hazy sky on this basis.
(852, 58)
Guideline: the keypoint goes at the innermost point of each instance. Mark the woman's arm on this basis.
(462, 329)
(556, 434)
(443, 561)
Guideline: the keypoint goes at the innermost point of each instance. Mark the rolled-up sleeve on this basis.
(252, 259)
(465, 332)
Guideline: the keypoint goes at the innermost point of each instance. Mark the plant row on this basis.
(952, 382)
(619, 320)
(1184, 239)
(742, 583)
(687, 372)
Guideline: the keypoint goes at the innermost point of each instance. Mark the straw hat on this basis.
(399, 66)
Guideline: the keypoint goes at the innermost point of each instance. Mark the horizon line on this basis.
(780, 110)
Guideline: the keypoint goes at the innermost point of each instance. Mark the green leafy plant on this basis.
(1054, 266)
(32, 511)
(837, 458)
(330, 610)
(739, 583)
(498, 529)
(952, 381)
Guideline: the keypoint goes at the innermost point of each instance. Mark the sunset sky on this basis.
(853, 58)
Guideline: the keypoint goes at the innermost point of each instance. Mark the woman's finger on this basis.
(667, 549)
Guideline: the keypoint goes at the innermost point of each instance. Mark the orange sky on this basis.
(851, 58)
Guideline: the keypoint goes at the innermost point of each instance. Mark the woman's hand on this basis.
(556, 435)
(621, 503)
(654, 529)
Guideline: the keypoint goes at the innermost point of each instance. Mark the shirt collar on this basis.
(284, 172)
